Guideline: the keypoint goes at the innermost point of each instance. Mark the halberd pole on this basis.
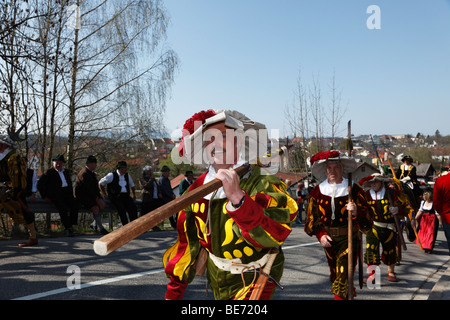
(350, 218)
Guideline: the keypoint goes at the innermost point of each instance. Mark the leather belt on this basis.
(390, 226)
(338, 231)
(235, 266)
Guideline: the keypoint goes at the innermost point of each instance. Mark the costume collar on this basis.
(341, 188)
(377, 195)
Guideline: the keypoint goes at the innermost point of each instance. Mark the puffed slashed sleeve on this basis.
(438, 195)
(363, 218)
(313, 225)
(17, 175)
(265, 217)
(179, 259)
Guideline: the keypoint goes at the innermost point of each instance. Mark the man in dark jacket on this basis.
(55, 185)
(166, 191)
(87, 192)
(187, 181)
(118, 186)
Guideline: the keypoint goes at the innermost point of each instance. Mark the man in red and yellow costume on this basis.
(327, 216)
(384, 230)
(238, 224)
(13, 180)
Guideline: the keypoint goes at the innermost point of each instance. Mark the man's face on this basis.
(221, 146)
(92, 166)
(123, 170)
(58, 165)
(149, 174)
(334, 172)
(376, 186)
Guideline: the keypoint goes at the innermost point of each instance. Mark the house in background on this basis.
(363, 170)
(425, 172)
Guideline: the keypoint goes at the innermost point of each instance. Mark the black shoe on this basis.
(69, 232)
(103, 231)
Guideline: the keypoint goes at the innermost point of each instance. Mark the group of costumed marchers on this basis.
(378, 201)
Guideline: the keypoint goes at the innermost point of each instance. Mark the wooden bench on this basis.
(45, 211)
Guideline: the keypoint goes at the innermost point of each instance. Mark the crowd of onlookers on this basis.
(89, 192)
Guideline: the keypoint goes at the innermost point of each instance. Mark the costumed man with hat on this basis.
(119, 185)
(327, 216)
(14, 182)
(236, 226)
(87, 192)
(385, 203)
(55, 186)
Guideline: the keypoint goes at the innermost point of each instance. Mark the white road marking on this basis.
(300, 245)
(90, 284)
(120, 278)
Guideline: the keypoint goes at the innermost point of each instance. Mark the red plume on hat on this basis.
(319, 160)
(325, 155)
(189, 125)
(199, 116)
(364, 180)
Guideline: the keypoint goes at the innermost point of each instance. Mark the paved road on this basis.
(134, 272)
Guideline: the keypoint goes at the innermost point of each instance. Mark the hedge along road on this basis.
(68, 268)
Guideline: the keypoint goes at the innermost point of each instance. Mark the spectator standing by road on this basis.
(166, 191)
(302, 198)
(187, 181)
(151, 196)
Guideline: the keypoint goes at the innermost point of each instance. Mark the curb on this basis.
(441, 290)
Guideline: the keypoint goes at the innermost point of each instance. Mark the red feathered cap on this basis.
(189, 128)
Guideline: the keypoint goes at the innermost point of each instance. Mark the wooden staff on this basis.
(410, 203)
(264, 276)
(128, 232)
(396, 219)
(350, 219)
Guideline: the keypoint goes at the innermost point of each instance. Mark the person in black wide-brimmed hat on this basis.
(407, 173)
(118, 187)
(55, 185)
(87, 192)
